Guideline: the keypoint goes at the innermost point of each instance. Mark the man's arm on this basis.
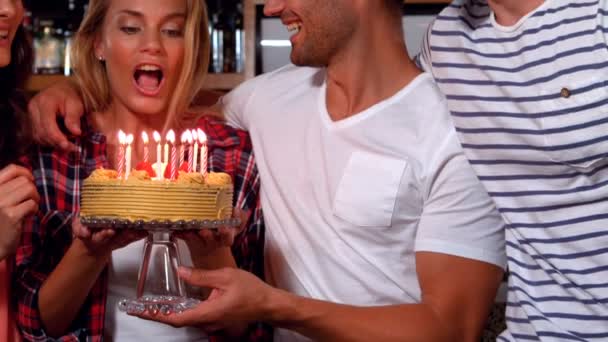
(60, 100)
(457, 294)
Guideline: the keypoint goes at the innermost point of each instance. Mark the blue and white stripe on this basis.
(530, 104)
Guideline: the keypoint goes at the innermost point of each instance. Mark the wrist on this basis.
(82, 251)
(278, 306)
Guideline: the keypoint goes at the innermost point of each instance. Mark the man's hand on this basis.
(103, 242)
(18, 199)
(237, 297)
(60, 100)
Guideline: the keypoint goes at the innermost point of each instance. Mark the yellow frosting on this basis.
(138, 176)
(139, 198)
(218, 178)
(190, 178)
(103, 174)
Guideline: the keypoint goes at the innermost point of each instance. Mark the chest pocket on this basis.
(367, 192)
(577, 130)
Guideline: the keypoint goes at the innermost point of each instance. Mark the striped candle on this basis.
(122, 139)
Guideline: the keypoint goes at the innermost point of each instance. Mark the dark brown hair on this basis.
(14, 125)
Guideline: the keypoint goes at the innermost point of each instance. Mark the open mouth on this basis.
(148, 78)
(3, 35)
(294, 27)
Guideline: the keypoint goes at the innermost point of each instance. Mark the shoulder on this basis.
(463, 15)
(221, 135)
(286, 76)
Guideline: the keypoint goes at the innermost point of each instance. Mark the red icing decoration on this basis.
(184, 167)
(167, 173)
(144, 166)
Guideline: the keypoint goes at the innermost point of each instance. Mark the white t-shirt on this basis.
(348, 203)
(122, 282)
(530, 103)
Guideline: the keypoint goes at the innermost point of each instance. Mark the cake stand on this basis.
(159, 288)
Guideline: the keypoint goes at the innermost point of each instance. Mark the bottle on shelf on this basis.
(227, 36)
(48, 48)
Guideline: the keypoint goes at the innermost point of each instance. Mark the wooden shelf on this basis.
(212, 81)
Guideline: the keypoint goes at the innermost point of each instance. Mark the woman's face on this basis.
(11, 14)
(142, 43)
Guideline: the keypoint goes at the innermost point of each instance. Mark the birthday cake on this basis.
(191, 196)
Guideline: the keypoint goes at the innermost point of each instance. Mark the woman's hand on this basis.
(18, 200)
(209, 242)
(102, 242)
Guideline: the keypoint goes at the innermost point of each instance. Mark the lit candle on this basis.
(121, 153)
(195, 151)
(144, 138)
(166, 152)
(182, 148)
(190, 156)
(159, 162)
(171, 140)
(130, 139)
(202, 138)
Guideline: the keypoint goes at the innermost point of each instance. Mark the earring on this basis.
(100, 58)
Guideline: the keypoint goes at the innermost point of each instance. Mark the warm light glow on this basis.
(185, 137)
(202, 137)
(171, 136)
(194, 136)
(144, 137)
(122, 137)
(156, 136)
(189, 137)
(129, 139)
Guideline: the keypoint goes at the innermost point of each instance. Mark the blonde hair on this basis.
(91, 74)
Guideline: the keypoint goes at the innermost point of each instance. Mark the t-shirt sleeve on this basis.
(459, 217)
(235, 104)
(423, 58)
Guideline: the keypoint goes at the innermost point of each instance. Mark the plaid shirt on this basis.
(48, 235)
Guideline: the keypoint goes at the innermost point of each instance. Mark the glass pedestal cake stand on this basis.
(159, 289)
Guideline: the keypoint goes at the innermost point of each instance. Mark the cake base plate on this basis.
(105, 223)
(157, 304)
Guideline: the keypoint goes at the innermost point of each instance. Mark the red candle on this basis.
(190, 151)
(202, 138)
(171, 140)
(182, 148)
(122, 140)
(144, 137)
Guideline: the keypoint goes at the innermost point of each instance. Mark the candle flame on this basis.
(144, 137)
(189, 137)
(185, 137)
(129, 139)
(194, 135)
(156, 136)
(171, 136)
(122, 137)
(202, 137)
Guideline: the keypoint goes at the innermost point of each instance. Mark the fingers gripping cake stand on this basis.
(159, 289)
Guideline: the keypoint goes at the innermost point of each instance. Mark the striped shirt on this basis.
(530, 104)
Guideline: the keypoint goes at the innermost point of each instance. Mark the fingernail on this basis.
(184, 272)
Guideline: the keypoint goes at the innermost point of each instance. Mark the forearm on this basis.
(63, 293)
(324, 321)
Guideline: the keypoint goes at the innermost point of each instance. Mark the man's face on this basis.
(320, 28)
